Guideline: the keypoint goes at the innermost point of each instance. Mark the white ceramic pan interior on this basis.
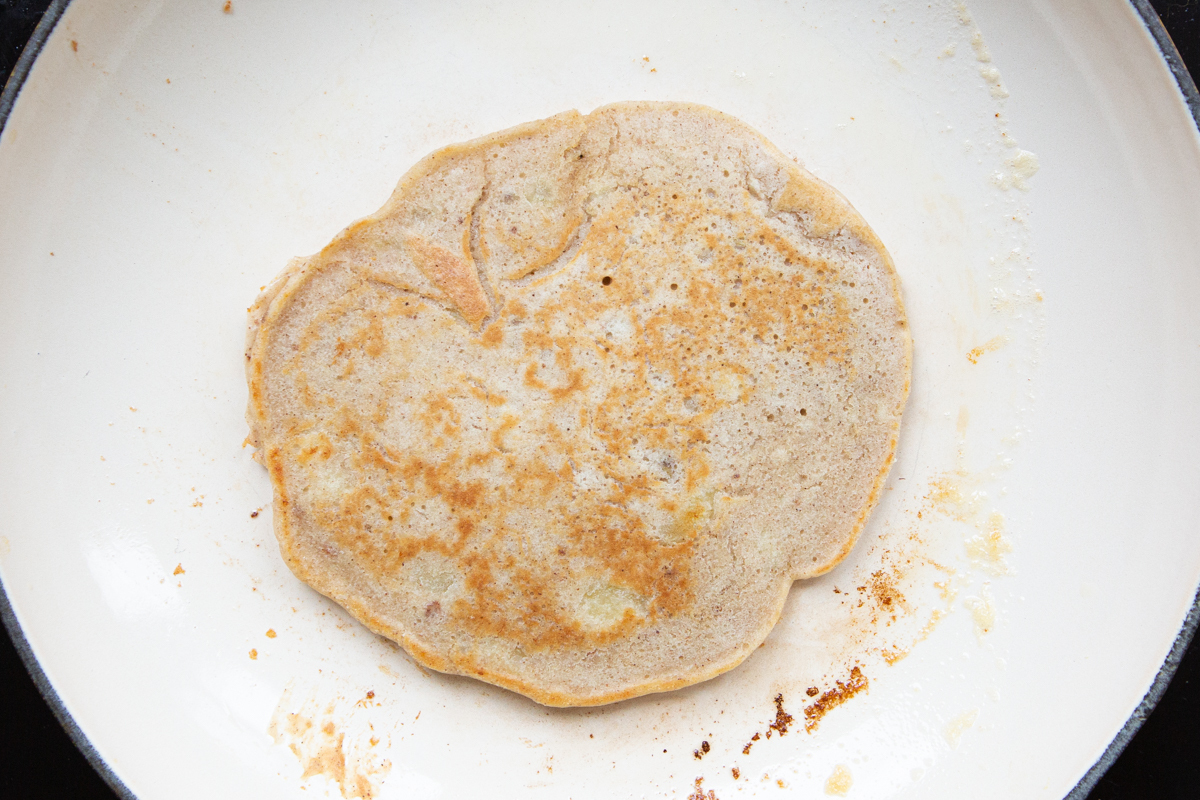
(1032, 168)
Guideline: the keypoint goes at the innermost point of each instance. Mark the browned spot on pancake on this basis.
(531, 379)
(454, 275)
(493, 334)
(369, 339)
(321, 448)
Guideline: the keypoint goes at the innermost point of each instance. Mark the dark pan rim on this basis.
(1191, 97)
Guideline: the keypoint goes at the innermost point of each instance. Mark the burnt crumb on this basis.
(782, 718)
(254, 514)
(699, 794)
(371, 694)
(736, 773)
(834, 698)
(780, 725)
(704, 748)
(885, 593)
(812, 691)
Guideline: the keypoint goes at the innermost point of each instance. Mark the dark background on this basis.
(37, 760)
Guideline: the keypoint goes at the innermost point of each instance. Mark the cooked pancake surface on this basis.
(573, 410)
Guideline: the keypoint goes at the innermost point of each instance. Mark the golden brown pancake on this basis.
(571, 412)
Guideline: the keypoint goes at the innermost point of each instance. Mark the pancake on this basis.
(573, 410)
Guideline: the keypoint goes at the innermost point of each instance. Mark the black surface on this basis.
(1182, 21)
(38, 759)
(18, 18)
